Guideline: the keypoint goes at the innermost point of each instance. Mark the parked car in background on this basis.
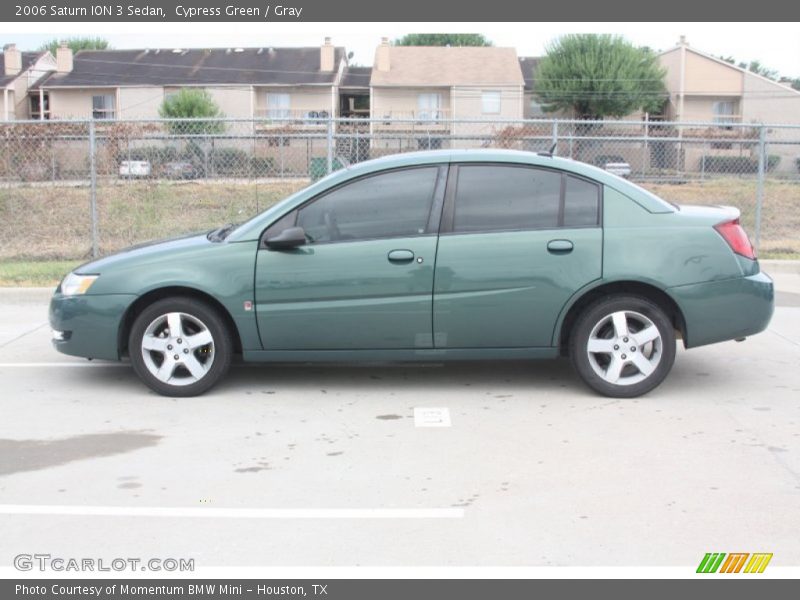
(438, 255)
(180, 169)
(135, 168)
(613, 163)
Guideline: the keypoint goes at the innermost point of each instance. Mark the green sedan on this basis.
(443, 255)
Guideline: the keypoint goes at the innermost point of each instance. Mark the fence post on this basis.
(330, 144)
(554, 142)
(93, 186)
(762, 143)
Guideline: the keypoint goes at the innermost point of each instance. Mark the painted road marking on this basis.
(431, 416)
(232, 513)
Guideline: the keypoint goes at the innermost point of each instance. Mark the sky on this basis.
(775, 45)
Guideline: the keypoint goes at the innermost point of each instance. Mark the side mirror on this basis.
(288, 238)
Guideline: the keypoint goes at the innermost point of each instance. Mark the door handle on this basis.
(401, 256)
(559, 246)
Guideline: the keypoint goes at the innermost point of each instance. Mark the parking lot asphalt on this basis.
(310, 465)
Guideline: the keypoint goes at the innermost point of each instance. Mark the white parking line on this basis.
(62, 364)
(233, 513)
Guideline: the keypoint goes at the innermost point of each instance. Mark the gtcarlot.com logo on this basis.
(734, 562)
(47, 562)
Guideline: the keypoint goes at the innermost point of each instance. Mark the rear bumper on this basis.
(89, 324)
(716, 311)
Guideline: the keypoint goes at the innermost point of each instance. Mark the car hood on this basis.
(143, 252)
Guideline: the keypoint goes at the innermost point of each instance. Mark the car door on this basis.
(516, 242)
(364, 279)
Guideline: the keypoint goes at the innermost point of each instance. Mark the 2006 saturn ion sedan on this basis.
(463, 254)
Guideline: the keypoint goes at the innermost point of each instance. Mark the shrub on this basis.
(736, 164)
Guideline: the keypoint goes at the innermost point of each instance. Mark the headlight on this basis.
(74, 284)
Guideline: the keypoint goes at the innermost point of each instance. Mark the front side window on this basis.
(387, 205)
(490, 103)
(429, 107)
(103, 106)
(496, 198)
(278, 105)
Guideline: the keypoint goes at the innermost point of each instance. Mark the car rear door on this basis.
(516, 242)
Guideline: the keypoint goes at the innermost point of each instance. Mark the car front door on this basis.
(364, 279)
(516, 242)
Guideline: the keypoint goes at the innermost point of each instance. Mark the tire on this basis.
(602, 338)
(185, 364)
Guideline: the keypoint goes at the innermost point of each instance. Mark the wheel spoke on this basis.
(151, 342)
(166, 369)
(199, 340)
(642, 363)
(614, 369)
(195, 367)
(648, 334)
(599, 345)
(174, 324)
(620, 323)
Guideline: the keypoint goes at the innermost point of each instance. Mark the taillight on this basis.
(733, 233)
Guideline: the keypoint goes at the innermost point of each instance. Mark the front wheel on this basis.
(623, 346)
(180, 347)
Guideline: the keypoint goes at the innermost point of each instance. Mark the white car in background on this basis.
(135, 168)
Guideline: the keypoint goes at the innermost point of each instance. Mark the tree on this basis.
(192, 104)
(599, 75)
(76, 44)
(443, 39)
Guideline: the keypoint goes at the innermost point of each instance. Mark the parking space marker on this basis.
(436, 416)
(232, 513)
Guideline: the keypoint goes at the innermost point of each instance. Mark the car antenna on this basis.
(550, 152)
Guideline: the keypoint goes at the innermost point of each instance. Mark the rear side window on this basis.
(496, 198)
(503, 198)
(392, 204)
(581, 202)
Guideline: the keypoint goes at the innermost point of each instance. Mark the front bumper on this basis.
(716, 311)
(89, 324)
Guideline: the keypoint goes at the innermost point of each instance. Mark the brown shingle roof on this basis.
(447, 66)
(225, 66)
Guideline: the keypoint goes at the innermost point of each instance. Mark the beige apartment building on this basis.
(431, 88)
(21, 70)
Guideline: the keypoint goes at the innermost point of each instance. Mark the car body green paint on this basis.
(472, 296)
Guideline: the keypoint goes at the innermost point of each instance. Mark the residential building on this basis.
(704, 88)
(21, 70)
(298, 83)
(432, 87)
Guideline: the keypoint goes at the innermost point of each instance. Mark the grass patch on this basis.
(35, 273)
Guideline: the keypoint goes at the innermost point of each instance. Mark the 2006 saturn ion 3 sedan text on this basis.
(473, 254)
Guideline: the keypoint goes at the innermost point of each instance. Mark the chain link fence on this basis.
(71, 190)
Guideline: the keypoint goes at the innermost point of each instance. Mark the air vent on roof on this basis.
(259, 51)
(237, 50)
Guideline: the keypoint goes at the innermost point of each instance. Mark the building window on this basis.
(490, 103)
(278, 106)
(36, 109)
(724, 111)
(103, 106)
(429, 107)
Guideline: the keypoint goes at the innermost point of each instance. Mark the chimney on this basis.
(682, 41)
(382, 60)
(326, 56)
(63, 59)
(12, 59)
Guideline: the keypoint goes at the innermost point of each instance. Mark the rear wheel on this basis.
(180, 347)
(623, 346)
